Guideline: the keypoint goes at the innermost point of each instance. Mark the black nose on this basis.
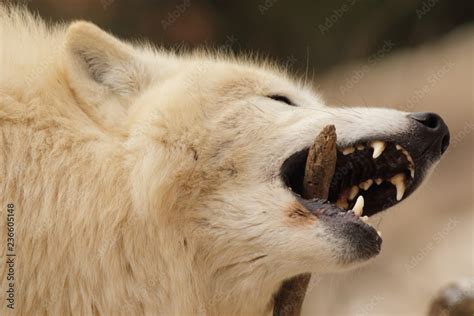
(434, 130)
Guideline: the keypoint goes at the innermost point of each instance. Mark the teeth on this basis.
(365, 219)
(399, 182)
(354, 191)
(410, 160)
(412, 171)
(412, 163)
(380, 233)
(378, 147)
(366, 184)
(348, 150)
(359, 206)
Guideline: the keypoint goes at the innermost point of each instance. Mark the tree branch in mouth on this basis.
(319, 170)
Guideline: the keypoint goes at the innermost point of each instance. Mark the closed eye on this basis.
(281, 98)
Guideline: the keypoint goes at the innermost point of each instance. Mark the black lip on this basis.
(363, 239)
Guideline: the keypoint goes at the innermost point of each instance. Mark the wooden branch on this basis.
(320, 165)
(320, 168)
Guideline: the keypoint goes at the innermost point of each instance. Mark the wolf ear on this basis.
(99, 65)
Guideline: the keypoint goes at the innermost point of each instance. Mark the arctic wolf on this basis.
(140, 181)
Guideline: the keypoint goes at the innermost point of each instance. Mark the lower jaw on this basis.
(378, 180)
(349, 226)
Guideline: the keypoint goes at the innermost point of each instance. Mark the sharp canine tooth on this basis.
(399, 182)
(348, 150)
(378, 147)
(380, 233)
(378, 181)
(366, 184)
(354, 191)
(410, 160)
(359, 206)
(407, 154)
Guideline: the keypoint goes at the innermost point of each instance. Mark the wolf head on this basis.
(218, 147)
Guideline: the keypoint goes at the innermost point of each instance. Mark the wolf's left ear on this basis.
(99, 65)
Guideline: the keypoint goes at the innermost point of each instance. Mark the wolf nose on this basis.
(434, 130)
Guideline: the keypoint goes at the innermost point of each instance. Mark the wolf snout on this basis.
(431, 131)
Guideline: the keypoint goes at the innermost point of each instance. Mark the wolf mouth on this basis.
(383, 173)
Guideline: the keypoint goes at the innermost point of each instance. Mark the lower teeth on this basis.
(359, 206)
(399, 182)
(349, 194)
(366, 184)
(354, 191)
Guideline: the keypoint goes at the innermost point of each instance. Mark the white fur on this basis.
(146, 182)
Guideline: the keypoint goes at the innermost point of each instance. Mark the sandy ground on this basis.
(428, 239)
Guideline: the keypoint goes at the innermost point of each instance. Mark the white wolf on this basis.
(139, 181)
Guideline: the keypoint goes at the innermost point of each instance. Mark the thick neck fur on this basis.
(91, 231)
(88, 196)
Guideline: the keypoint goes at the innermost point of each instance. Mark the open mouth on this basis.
(383, 173)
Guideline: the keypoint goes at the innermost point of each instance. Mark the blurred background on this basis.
(406, 54)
